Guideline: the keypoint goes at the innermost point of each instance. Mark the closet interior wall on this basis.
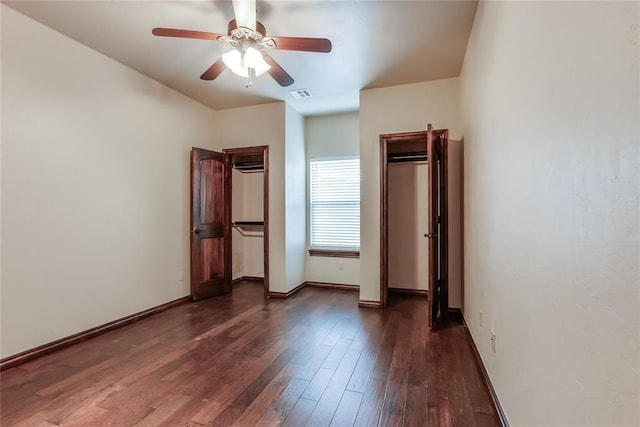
(407, 222)
(247, 205)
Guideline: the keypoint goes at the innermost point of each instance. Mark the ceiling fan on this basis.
(249, 40)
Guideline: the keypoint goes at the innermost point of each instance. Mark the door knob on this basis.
(431, 236)
(195, 230)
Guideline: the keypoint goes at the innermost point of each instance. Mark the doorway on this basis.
(248, 227)
(424, 156)
(212, 219)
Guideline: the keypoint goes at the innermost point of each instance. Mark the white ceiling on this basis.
(375, 44)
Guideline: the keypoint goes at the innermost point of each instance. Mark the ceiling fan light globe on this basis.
(233, 60)
(240, 64)
(253, 59)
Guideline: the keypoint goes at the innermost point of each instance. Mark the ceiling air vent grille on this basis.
(300, 93)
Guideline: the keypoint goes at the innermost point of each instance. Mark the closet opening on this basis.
(249, 206)
(413, 224)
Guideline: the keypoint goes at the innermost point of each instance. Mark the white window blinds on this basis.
(335, 203)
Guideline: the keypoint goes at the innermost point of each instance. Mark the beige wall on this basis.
(267, 127)
(552, 158)
(403, 109)
(331, 135)
(296, 219)
(95, 186)
(282, 129)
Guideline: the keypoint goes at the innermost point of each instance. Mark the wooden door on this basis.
(432, 215)
(443, 231)
(210, 257)
(437, 228)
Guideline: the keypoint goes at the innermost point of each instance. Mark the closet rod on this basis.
(249, 167)
(406, 157)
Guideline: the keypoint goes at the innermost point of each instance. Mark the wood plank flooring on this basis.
(315, 359)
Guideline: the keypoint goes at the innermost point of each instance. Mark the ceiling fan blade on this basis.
(277, 72)
(305, 44)
(214, 71)
(187, 34)
(245, 11)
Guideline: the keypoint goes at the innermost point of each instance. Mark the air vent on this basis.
(300, 93)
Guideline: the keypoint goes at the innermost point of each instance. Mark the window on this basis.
(335, 204)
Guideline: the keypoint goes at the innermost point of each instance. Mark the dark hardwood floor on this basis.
(314, 359)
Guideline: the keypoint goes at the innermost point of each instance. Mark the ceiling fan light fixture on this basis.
(239, 64)
(233, 61)
(253, 59)
(247, 38)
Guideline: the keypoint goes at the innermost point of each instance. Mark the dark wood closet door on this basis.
(432, 214)
(443, 231)
(437, 228)
(210, 259)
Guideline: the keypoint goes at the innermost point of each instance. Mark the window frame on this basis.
(328, 251)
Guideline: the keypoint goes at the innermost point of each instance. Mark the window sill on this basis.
(334, 253)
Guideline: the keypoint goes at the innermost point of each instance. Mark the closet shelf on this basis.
(250, 226)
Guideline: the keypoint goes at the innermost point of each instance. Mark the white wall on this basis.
(403, 109)
(95, 186)
(408, 223)
(296, 219)
(267, 127)
(331, 135)
(552, 160)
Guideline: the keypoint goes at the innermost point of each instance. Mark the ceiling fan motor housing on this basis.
(243, 37)
(240, 32)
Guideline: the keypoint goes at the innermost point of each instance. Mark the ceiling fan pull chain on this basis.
(250, 74)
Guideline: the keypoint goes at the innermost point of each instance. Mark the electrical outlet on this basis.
(181, 275)
(493, 341)
(340, 265)
(481, 317)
